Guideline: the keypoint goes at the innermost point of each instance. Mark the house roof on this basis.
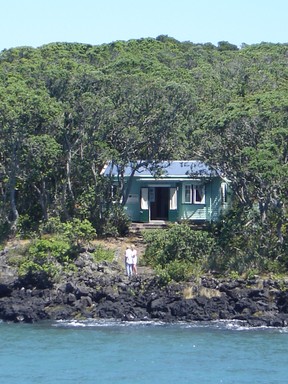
(167, 169)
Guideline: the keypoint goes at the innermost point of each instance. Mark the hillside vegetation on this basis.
(65, 109)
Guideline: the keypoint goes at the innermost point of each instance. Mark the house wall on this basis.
(209, 211)
(133, 204)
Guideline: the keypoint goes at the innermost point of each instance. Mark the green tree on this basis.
(146, 123)
(23, 112)
(40, 159)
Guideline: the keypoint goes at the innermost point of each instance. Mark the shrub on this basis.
(179, 242)
(36, 273)
(179, 270)
(78, 231)
(55, 248)
(51, 227)
(245, 242)
(25, 226)
(116, 222)
(44, 260)
(47, 256)
(75, 231)
(163, 276)
(178, 252)
(102, 254)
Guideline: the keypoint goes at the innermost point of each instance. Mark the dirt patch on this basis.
(118, 245)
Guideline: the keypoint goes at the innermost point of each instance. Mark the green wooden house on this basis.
(172, 191)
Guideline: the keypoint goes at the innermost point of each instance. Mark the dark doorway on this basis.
(160, 206)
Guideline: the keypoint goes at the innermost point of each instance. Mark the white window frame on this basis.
(190, 191)
(187, 192)
(196, 199)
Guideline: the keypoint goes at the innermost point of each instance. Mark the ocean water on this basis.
(114, 352)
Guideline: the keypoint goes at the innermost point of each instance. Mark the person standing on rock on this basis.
(128, 261)
(134, 259)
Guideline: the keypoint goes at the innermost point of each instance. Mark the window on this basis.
(194, 194)
(199, 194)
(188, 194)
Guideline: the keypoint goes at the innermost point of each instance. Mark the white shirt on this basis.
(128, 256)
(134, 256)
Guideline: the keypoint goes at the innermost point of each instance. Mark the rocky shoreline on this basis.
(104, 292)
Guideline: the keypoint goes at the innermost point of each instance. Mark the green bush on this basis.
(25, 225)
(102, 254)
(79, 231)
(55, 248)
(175, 271)
(44, 260)
(163, 275)
(116, 222)
(178, 252)
(179, 270)
(46, 257)
(52, 226)
(178, 242)
(75, 231)
(38, 273)
(245, 242)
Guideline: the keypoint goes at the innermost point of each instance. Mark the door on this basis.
(159, 204)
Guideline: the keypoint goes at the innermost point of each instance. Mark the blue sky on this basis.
(37, 22)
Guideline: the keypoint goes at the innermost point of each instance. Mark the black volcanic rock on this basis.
(107, 293)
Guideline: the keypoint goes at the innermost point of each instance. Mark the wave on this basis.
(105, 323)
(229, 325)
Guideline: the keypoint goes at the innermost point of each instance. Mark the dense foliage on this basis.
(179, 252)
(44, 259)
(65, 109)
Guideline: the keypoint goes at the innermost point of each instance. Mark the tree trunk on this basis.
(68, 173)
(42, 199)
(14, 211)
